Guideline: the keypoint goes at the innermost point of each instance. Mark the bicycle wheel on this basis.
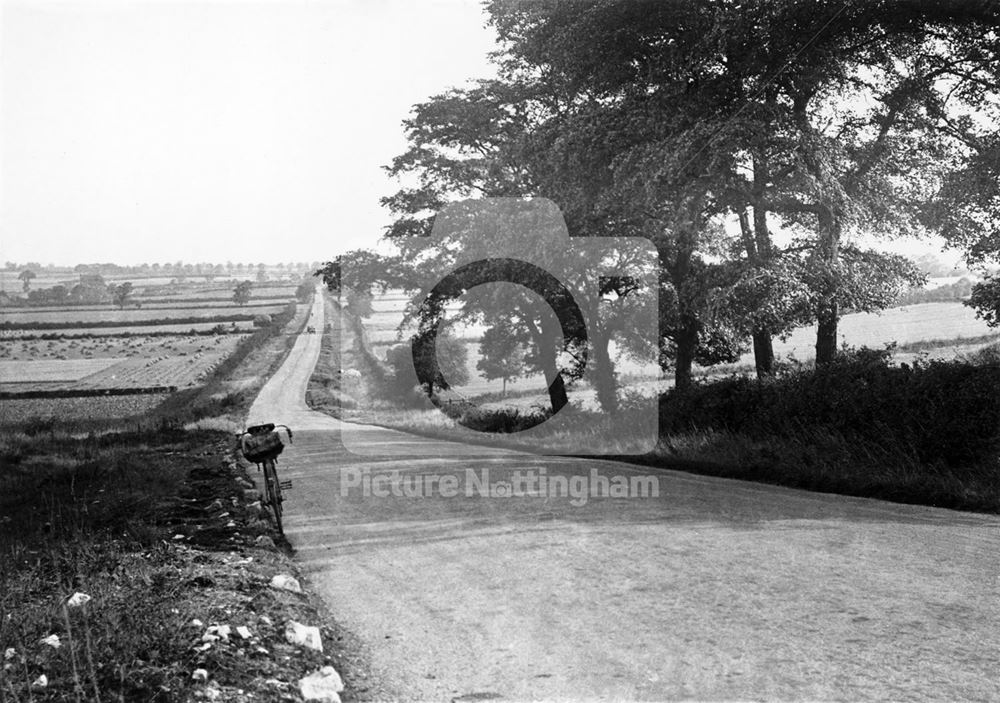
(273, 492)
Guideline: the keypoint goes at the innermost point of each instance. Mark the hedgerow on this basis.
(945, 413)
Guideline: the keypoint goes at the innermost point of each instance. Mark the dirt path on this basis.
(714, 590)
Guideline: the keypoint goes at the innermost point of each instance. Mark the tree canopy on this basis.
(710, 127)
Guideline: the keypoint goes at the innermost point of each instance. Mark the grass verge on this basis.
(163, 536)
(161, 529)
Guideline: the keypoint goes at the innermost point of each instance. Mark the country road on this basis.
(715, 589)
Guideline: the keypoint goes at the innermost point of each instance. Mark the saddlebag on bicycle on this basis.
(260, 447)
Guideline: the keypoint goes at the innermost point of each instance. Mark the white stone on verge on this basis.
(286, 583)
(78, 599)
(305, 635)
(323, 685)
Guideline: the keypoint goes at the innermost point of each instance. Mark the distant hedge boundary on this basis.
(84, 393)
(942, 414)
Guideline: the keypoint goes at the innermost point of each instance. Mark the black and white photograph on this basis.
(499, 350)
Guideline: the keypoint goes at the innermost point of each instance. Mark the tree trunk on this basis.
(763, 352)
(827, 314)
(557, 393)
(826, 333)
(604, 376)
(757, 243)
(675, 268)
(687, 345)
(547, 363)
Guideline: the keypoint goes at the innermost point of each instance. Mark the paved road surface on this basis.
(714, 590)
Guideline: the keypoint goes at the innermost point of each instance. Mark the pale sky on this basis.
(158, 130)
(161, 130)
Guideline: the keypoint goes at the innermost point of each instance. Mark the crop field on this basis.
(51, 370)
(129, 315)
(181, 328)
(98, 362)
(111, 362)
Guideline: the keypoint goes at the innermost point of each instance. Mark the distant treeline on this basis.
(166, 269)
(138, 302)
(959, 290)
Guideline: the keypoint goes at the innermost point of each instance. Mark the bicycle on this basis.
(262, 444)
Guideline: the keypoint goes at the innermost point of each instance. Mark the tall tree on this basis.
(501, 354)
(442, 370)
(121, 293)
(242, 292)
(26, 277)
(760, 89)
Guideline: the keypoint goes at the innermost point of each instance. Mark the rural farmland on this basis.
(617, 350)
(105, 360)
(942, 325)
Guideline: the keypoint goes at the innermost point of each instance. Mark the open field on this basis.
(52, 370)
(88, 364)
(83, 317)
(15, 411)
(112, 363)
(180, 328)
(905, 325)
(163, 304)
(148, 347)
(381, 333)
(913, 323)
(215, 290)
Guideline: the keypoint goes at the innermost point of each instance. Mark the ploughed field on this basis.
(99, 361)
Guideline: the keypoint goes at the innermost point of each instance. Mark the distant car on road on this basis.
(311, 330)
